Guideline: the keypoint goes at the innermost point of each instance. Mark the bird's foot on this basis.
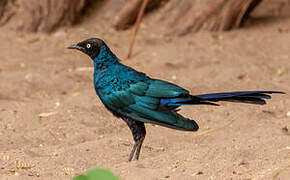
(136, 150)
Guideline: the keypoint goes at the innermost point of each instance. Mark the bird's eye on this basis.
(88, 45)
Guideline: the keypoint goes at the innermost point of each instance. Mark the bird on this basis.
(138, 99)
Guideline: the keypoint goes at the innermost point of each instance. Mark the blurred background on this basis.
(53, 126)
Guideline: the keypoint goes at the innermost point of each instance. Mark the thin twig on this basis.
(135, 30)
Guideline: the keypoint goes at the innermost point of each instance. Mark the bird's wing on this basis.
(136, 93)
(141, 101)
(164, 89)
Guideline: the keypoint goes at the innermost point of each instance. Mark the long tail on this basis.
(252, 97)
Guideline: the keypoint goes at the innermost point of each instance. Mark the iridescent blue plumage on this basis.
(139, 99)
(132, 94)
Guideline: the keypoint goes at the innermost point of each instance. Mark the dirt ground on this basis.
(53, 126)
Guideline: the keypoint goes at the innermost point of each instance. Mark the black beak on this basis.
(75, 46)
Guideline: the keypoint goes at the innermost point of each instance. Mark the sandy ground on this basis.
(53, 126)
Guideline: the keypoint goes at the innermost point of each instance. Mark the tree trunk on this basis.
(221, 15)
(5, 11)
(183, 16)
(40, 15)
(128, 14)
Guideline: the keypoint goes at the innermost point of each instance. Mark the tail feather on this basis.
(250, 100)
(180, 101)
(252, 97)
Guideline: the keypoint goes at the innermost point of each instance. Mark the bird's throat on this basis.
(105, 59)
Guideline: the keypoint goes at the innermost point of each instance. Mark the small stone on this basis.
(241, 76)
(76, 94)
(22, 65)
(280, 72)
(57, 104)
(68, 170)
(285, 129)
(6, 158)
(60, 34)
(84, 69)
(47, 114)
(199, 173)
(63, 92)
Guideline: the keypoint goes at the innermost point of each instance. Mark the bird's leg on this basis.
(139, 145)
(139, 132)
(139, 137)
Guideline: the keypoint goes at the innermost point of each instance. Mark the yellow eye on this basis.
(88, 45)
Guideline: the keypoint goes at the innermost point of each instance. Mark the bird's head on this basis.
(91, 47)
